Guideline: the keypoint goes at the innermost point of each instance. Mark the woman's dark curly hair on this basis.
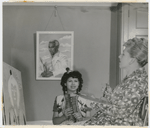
(73, 74)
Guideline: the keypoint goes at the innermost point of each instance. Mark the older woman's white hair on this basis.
(138, 48)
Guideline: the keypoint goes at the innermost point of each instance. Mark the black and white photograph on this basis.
(75, 63)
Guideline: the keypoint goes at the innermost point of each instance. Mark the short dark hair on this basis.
(55, 43)
(73, 74)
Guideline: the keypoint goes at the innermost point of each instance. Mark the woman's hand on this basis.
(78, 116)
(68, 112)
(103, 99)
(109, 89)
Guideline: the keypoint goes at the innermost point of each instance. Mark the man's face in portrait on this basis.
(52, 49)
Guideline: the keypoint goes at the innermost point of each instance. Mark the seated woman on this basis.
(70, 107)
(125, 98)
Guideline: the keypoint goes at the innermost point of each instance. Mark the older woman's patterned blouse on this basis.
(124, 99)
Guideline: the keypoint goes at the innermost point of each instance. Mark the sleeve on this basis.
(107, 93)
(84, 104)
(87, 105)
(55, 109)
(125, 106)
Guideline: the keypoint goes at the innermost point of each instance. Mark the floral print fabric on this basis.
(125, 102)
(83, 105)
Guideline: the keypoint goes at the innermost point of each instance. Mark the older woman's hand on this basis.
(108, 88)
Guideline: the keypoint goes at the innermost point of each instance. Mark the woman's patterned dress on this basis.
(124, 99)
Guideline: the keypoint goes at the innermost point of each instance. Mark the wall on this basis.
(92, 39)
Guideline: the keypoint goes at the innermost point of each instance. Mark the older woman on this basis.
(125, 98)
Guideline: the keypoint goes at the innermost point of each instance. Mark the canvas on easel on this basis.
(13, 100)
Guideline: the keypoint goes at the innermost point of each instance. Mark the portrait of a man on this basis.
(54, 54)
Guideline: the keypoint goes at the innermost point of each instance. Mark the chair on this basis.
(144, 111)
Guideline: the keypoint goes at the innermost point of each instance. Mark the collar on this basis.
(136, 73)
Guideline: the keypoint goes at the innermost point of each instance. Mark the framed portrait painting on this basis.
(54, 53)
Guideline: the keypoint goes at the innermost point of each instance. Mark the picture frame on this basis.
(54, 53)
